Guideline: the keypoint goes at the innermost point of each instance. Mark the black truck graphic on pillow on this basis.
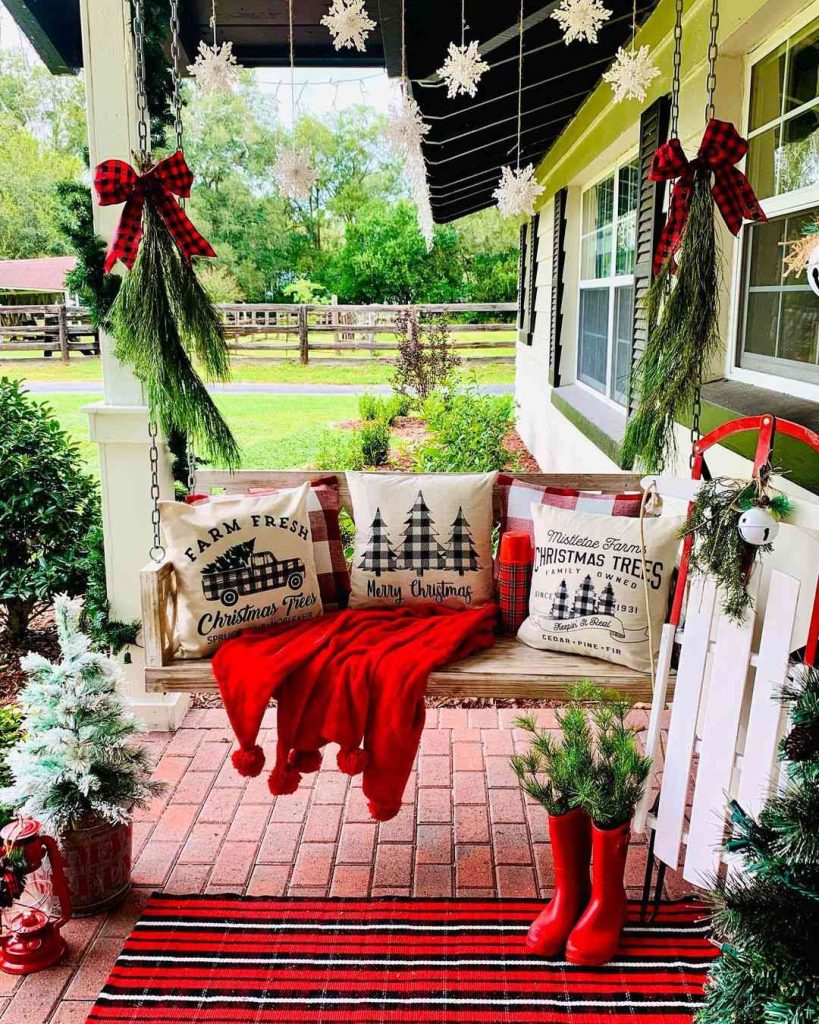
(241, 571)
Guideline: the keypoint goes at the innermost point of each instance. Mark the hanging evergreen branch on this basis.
(719, 552)
(161, 317)
(96, 289)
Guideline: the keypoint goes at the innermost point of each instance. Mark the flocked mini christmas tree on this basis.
(460, 554)
(767, 914)
(420, 549)
(379, 556)
(77, 763)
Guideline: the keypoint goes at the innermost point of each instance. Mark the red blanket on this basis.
(354, 677)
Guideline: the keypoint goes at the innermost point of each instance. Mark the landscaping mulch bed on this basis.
(40, 639)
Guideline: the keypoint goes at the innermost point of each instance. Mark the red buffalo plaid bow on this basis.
(721, 148)
(117, 182)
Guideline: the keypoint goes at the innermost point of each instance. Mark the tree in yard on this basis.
(379, 555)
(420, 549)
(767, 915)
(460, 554)
(49, 507)
(426, 358)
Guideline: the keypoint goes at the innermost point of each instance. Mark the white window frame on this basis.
(612, 282)
(775, 206)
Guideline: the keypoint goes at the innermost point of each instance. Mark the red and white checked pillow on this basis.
(323, 506)
(518, 496)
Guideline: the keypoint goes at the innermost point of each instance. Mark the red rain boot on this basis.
(571, 852)
(594, 938)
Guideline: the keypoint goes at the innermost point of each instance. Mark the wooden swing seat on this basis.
(509, 670)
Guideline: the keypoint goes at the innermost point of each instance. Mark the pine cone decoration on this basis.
(802, 743)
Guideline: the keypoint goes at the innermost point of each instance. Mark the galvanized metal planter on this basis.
(98, 866)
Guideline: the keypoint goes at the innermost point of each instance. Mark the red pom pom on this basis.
(305, 760)
(352, 762)
(249, 761)
(283, 780)
(382, 812)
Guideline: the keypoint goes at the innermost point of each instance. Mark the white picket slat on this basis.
(729, 672)
(655, 722)
(765, 719)
(681, 733)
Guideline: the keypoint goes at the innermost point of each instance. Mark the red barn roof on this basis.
(41, 275)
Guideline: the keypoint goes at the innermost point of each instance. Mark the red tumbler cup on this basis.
(514, 579)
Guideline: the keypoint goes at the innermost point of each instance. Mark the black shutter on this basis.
(522, 282)
(531, 293)
(650, 218)
(558, 262)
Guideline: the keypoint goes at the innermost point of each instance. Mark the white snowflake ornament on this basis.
(462, 69)
(406, 127)
(581, 19)
(349, 24)
(631, 74)
(294, 173)
(518, 192)
(215, 69)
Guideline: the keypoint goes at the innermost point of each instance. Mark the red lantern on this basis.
(31, 939)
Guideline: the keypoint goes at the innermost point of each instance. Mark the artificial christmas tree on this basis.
(379, 556)
(460, 553)
(420, 549)
(767, 914)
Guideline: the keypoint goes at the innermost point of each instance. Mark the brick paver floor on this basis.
(464, 830)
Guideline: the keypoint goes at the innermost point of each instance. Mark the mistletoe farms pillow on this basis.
(422, 539)
(588, 595)
(240, 562)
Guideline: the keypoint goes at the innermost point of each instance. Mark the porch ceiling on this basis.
(470, 139)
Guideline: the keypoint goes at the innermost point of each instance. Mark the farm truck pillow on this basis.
(240, 562)
(422, 539)
(588, 595)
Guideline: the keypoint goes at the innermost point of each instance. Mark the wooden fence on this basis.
(311, 333)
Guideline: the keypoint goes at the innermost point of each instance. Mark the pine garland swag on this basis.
(767, 917)
(719, 552)
(683, 336)
(161, 318)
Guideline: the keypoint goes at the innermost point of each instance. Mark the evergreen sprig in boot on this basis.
(571, 852)
(594, 939)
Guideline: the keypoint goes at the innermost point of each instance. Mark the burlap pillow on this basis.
(587, 592)
(422, 539)
(240, 562)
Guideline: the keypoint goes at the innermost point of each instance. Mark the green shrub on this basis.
(10, 731)
(370, 407)
(596, 764)
(468, 429)
(49, 506)
(340, 449)
(398, 405)
(107, 633)
(375, 442)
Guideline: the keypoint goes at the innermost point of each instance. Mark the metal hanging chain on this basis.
(520, 84)
(713, 53)
(676, 72)
(157, 552)
(176, 56)
(143, 127)
(292, 67)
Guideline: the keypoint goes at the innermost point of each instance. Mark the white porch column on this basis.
(119, 424)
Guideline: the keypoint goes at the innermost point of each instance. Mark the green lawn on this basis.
(273, 431)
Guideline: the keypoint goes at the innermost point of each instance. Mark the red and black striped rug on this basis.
(200, 959)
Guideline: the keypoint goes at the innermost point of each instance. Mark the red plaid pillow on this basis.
(518, 496)
(324, 504)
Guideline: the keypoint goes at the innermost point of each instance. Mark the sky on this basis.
(318, 91)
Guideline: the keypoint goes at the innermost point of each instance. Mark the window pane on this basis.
(623, 330)
(766, 253)
(761, 172)
(800, 326)
(594, 335)
(761, 322)
(627, 198)
(797, 160)
(803, 68)
(766, 88)
(598, 214)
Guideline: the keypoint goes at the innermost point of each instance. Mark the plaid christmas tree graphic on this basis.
(460, 554)
(379, 556)
(420, 549)
(605, 606)
(585, 599)
(560, 605)
(234, 558)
